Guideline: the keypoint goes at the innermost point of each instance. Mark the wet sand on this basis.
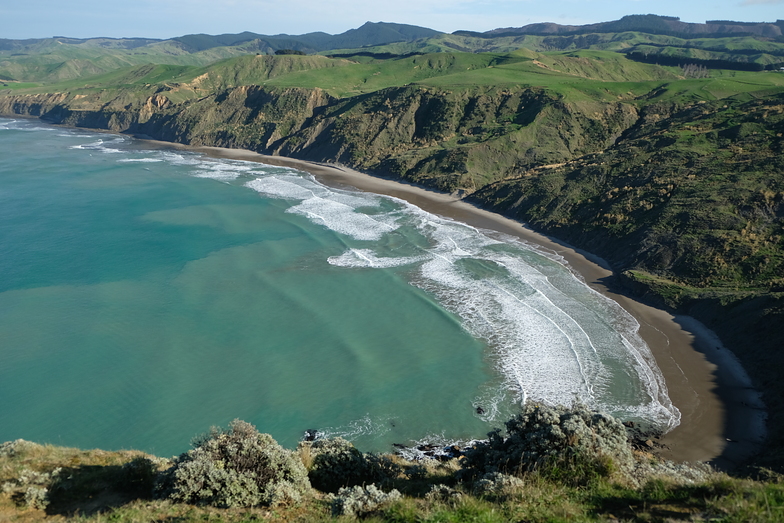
(722, 416)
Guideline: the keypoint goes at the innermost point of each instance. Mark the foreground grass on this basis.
(95, 487)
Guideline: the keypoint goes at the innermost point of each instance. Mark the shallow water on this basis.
(146, 295)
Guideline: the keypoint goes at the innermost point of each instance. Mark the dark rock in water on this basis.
(450, 452)
(480, 410)
(399, 446)
(629, 424)
(312, 435)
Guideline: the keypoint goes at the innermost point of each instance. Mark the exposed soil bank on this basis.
(723, 417)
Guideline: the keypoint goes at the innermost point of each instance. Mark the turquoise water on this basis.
(146, 295)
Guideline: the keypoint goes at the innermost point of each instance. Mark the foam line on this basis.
(549, 336)
(566, 335)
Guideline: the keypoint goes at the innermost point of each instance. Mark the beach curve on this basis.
(722, 415)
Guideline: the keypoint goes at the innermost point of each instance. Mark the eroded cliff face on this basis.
(638, 186)
(633, 185)
(454, 140)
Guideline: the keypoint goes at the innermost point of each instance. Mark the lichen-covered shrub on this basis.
(237, 467)
(12, 448)
(336, 463)
(444, 494)
(36, 497)
(679, 473)
(31, 488)
(495, 484)
(573, 444)
(360, 501)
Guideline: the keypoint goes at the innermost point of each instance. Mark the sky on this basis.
(21, 19)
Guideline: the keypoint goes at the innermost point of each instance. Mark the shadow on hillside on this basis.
(89, 489)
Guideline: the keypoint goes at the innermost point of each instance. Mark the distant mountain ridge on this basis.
(653, 39)
(371, 33)
(654, 24)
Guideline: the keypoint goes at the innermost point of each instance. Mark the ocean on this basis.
(149, 293)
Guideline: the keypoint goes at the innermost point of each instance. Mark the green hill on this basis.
(650, 39)
(653, 24)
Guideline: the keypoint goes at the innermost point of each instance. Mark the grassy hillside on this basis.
(590, 475)
(753, 53)
(646, 39)
(56, 59)
(52, 61)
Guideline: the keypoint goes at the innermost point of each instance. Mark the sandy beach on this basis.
(722, 416)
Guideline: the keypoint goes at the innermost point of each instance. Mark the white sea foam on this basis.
(360, 427)
(551, 338)
(101, 145)
(223, 171)
(367, 258)
(141, 160)
(91, 145)
(34, 128)
(334, 209)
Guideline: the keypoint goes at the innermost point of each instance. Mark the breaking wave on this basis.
(551, 338)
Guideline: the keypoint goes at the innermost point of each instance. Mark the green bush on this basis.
(571, 445)
(31, 488)
(336, 463)
(237, 467)
(497, 485)
(362, 501)
(444, 494)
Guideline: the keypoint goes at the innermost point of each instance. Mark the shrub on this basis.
(336, 463)
(360, 501)
(237, 467)
(569, 444)
(495, 484)
(31, 488)
(12, 448)
(443, 493)
(36, 497)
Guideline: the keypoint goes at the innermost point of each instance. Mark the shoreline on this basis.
(723, 419)
(722, 415)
